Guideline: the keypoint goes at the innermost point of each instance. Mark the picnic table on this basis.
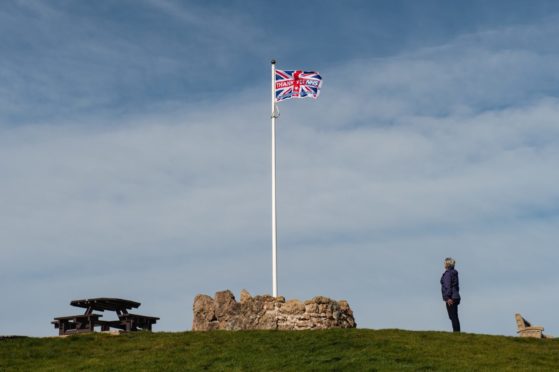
(87, 321)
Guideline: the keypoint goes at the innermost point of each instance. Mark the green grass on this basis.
(334, 350)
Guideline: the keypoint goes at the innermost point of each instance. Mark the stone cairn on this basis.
(267, 312)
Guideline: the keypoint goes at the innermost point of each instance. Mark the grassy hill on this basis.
(347, 350)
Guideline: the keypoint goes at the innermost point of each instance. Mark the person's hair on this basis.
(449, 262)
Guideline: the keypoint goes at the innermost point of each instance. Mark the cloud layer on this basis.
(404, 160)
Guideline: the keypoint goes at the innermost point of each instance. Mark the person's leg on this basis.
(453, 316)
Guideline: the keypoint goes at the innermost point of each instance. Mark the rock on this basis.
(293, 307)
(226, 310)
(225, 304)
(267, 312)
(245, 296)
(204, 314)
(321, 300)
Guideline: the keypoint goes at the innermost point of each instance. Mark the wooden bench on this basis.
(525, 329)
(132, 322)
(76, 323)
(106, 325)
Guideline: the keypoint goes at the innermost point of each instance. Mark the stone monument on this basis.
(267, 312)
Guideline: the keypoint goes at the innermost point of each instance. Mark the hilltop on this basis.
(334, 349)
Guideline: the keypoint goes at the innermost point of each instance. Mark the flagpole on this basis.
(274, 221)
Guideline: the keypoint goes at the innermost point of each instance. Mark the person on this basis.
(451, 292)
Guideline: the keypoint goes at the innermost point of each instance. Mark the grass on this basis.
(328, 350)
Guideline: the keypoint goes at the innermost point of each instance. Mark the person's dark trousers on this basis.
(453, 315)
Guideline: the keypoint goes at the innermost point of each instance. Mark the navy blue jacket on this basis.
(450, 288)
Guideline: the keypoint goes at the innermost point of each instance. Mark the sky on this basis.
(135, 158)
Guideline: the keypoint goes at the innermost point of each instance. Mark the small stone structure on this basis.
(267, 312)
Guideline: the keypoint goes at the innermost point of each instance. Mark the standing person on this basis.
(451, 292)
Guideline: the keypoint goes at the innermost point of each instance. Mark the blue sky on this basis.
(135, 140)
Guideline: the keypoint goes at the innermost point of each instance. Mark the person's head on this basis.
(449, 263)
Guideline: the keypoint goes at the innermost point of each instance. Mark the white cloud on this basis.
(436, 153)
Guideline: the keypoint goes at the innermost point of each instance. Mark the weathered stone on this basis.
(204, 314)
(321, 300)
(293, 307)
(225, 304)
(226, 310)
(267, 312)
(245, 296)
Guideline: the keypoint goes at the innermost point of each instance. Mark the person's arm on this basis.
(447, 289)
(454, 289)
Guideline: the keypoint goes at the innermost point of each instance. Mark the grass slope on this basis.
(337, 349)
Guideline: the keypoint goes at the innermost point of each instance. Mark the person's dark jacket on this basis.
(450, 288)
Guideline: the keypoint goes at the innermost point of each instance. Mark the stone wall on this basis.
(267, 312)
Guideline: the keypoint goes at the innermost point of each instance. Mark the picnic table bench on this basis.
(89, 320)
(76, 323)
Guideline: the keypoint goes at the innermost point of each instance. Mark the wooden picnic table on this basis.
(89, 320)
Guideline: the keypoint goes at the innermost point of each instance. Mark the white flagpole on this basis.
(274, 222)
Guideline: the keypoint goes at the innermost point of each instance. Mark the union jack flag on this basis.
(297, 84)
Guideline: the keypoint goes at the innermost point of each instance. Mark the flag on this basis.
(297, 84)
